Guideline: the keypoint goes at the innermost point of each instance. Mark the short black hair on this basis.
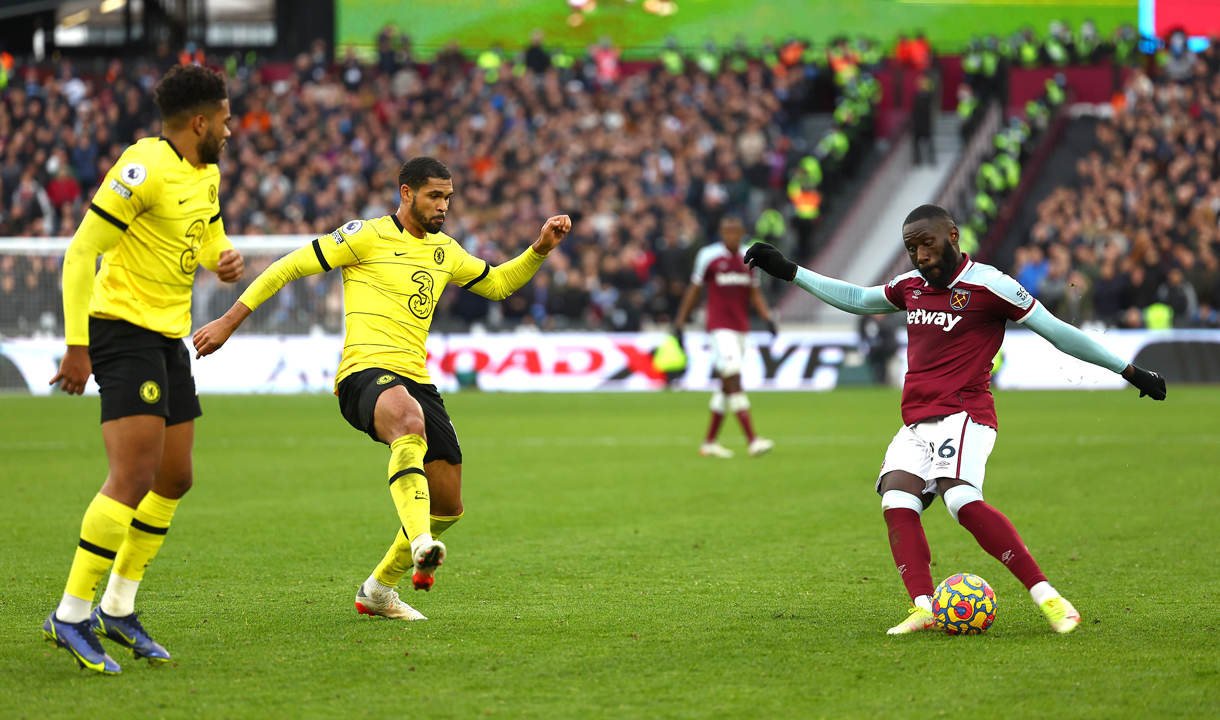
(416, 172)
(188, 88)
(928, 212)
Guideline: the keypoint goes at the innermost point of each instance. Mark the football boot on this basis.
(128, 632)
(1060, 614)
(918, 619)
(78, 639)
(427, 558)
(389, 606)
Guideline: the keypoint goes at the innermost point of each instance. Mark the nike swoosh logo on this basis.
(183, 200)
(399, 254)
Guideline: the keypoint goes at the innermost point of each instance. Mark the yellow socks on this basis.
(396, 563)
(441, 523)
(409, 486)
(144, 539)
(102, 533)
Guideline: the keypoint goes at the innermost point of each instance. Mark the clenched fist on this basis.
(552, 232)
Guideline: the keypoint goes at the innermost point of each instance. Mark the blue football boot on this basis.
(128, 632)
(79, 640)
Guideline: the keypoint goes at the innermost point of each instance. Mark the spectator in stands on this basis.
(645, 165)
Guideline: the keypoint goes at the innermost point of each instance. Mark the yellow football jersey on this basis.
(169, 213)
(391, 282)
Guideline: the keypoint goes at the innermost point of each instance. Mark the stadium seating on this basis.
(645, 164)
(1132, 241)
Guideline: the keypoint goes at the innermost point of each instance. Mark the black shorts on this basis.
(141, 372)
(358, 395)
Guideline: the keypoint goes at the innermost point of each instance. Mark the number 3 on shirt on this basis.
(421, 302)
(190, 257)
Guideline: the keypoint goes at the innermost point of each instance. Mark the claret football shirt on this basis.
(728, 281)
(953, 335)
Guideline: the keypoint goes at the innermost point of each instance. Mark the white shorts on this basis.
(728, 349)
(952, 447)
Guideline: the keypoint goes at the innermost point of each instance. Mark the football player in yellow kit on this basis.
(154, 220)
(394, 270)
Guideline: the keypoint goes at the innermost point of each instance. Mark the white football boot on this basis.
(386, 605)
(760, 446)
(427, 556)
(715, 449)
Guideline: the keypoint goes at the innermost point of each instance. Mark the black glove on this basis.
(771, 261)
(772, 328)
(1149, 383)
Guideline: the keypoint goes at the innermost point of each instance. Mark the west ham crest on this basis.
(959, 299)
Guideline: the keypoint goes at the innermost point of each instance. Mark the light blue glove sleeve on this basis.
(844, 295)
(1071, 340)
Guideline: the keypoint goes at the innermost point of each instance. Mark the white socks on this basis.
(923, 601)
(73, 609)
(1042, 592)
(374, 589)
(120, 597)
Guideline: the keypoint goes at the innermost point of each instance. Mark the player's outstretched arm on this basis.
(1078, 344)
(94, 237)
(843, 295)
(503, 280)
(297, 264)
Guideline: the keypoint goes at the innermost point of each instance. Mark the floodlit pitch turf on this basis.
(603, 570)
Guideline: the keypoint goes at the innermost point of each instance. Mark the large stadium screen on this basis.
(1198, 18)
(647, 23)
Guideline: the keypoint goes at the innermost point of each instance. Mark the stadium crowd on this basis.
(1133, 241)
(644, 163)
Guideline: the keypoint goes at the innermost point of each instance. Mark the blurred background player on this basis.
(731, 289)
(394, 269)
(956, 313)
(154, 220)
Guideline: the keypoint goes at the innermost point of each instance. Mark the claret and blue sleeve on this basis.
(1072, 340)
(844, 295)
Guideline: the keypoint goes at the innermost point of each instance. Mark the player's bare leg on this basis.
(399, 421)
(902, 503)
(445, 485)
(1000, 539)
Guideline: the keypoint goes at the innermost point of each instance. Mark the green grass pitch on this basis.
(603, 570)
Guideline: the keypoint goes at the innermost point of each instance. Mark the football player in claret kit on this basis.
(956, 312)
(731, 289)
(394, 270)
(154, 220)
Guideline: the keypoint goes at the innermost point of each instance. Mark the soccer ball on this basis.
(964, 604)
